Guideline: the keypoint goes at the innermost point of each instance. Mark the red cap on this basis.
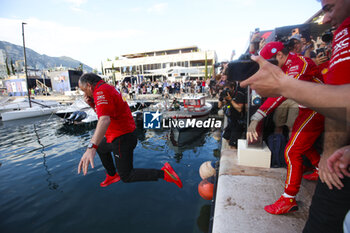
(271, 49)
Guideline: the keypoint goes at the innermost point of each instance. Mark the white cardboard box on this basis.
(253, 157)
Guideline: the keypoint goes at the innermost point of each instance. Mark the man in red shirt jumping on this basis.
(306, 129)
(115, 133)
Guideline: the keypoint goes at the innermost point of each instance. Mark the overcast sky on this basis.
(92, 31)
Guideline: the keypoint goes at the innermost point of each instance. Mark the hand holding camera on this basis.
(226, 94)
(321, 56)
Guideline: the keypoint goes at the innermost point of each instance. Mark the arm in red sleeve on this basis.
(270, 105)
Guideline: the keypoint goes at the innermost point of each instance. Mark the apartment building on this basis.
(172, 64)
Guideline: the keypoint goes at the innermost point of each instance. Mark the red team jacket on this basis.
(340, 56)
(298, 67)
(109, 102)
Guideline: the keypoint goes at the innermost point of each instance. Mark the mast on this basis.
(25, 65)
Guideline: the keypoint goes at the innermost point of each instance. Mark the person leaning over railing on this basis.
(329, 206)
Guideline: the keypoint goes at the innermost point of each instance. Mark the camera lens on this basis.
(327, 37)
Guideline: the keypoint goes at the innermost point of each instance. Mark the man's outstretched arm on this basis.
(330, 100)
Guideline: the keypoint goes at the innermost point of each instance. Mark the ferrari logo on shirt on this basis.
(324, 71)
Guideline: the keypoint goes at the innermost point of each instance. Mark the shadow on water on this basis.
(52, 185)
(76, 130)
(203, 218)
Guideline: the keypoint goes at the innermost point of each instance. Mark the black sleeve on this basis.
(240, 98)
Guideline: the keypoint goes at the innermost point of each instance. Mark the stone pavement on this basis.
(243, 192)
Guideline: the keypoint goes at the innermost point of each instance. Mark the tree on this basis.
(113, 79)
(116, 58)
(7, 67)
(95, 71)
(13, 67)
(109, 59)
(102, 70)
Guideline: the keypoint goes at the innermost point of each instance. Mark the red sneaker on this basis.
(170, 175)
(313, 176)
(282, 206)
(110, 180)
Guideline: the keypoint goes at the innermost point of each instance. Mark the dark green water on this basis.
(40, 190)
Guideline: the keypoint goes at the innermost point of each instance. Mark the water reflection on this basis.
(76, 130)
(181, 140)
(52, 185)
(204, 218)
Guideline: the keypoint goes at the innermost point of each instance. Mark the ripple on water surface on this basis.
(42, 192)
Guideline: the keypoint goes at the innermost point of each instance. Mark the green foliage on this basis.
(95, 71)
(109, 59)
(7, 67)
(13, 67)
(116, 58)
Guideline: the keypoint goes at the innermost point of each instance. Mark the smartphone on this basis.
(320, 50)
(241, 70)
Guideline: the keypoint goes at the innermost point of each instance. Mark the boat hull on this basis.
(27, 113)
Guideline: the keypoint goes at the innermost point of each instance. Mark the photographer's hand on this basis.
(321, 58)
(252, 135)
(238, 107)
(228, 97)
(268, 81)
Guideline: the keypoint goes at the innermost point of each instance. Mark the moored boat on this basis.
(27, 113)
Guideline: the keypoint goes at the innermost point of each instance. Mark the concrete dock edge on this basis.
(243, 192)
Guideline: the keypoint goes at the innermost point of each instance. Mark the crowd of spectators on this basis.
(164, 88)
(330, 202)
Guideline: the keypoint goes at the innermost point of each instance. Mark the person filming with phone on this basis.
(306, 129)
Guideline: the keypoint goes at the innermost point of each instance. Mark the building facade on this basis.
(172, 64)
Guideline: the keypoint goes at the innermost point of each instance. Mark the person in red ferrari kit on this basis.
(307, 127)
(115, 136)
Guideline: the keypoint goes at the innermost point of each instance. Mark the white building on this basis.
(3, 70)
(172, 64)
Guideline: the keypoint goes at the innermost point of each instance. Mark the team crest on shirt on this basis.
(324, 71)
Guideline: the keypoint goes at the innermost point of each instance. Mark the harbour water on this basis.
(40, 190)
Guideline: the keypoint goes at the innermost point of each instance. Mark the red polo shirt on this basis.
(109, 102)
(339, 65)
(298, 67)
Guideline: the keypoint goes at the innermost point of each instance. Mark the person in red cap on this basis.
(306, 129)
(115, 132)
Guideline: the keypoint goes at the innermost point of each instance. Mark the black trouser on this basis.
(328, 208)
(233, 131)
(123, 148)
